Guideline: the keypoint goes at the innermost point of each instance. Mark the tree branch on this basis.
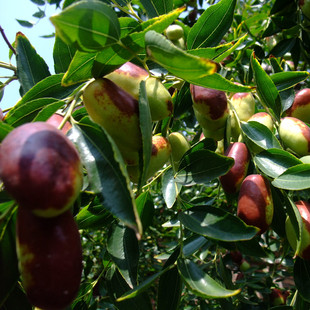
(7, 41)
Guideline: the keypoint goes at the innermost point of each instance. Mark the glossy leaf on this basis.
(46, 112)
(193, 244)
(88, 25)
(80, 68)
(123, 247)
(273, 162)
(266, 89)
(294, 178)
(212, 25)
(31, 67)
(285, 80)
(216, 224)
(302, 277)
(201, 283)
(158, 7)
(202, 166)
(145, 207)
(170, 188)
(260, 135)
(127, 25)
(111, 182)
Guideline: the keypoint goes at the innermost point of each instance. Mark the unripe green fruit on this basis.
(129, 76)
(295, 135)
(180, 43)
(305, 159)
(244, 265)
(301, 106)
(255, 204)
(211, 110)
(305, 7)
(179, 146)
(50, 258)
(174, 32)
(56, 120)
(161, 151)
(304, 210)
(277, 297)
(118, 113)
(40, 168)
(232, 180)
(263, 118)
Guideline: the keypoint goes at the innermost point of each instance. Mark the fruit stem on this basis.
(6, 65)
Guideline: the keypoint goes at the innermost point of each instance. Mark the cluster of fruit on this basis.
(41, 169)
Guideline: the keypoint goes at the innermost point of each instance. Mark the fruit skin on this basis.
(295, 135)
(56, 120)
(179, 146)
(50, 258)
(301, 106)
(40, 168)
(129, 76)
(305, 7)
(263, 118)
(174, 32)
(304, 210)
(232, 180)
(211, 110)
(277, 297)
(161, 151)
(255, 204)
(118, 113)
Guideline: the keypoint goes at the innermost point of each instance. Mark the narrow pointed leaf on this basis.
(158, 7)
(107, 172)
(201, 283)
(273, 162)
(123, 247)
(288, 79)
(216, 224)
(88, 25)
(294, 178)
(4, 130)
(31, 67)
(212, 25)
(202, 166)
(145, 207)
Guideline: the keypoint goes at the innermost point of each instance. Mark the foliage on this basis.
(170, 242)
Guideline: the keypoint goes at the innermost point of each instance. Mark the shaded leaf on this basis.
(158, 7)
(145, 207)
(302, 277)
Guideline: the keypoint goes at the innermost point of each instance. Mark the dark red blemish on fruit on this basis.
(216, 100)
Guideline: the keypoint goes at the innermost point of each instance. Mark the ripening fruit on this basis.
(277, 297)
(50, 258)
(118, 113)
(301, 106)
(232, 180)
(211, 110)
(56, 120)
(174, 32)
(255, 204)
(295, 135)
(179, 146)
(40, 168)
(161, 151)
(305, 7)
(263, 118)
(129, 76)
(304, 210)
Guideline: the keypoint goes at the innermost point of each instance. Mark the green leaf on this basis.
(127, 25)
(31, 68)
(288, 79)
(266, 89)
(193, 244)
(4, 130)
(145, 207)
(88, 25)
(46, 112)
(302, 277)
(26, 112)
(202, 166)
(25, 23)
(273, 162)
(170, 188)
(212, 25)
(38, 2)
(39, 14)
(260, 135)
(110, 181)
(80, 68)
(158, 7)
(123, 247)
(294, 178)
(283, 47)
(62, 55)
(201, 283)
(216, 224)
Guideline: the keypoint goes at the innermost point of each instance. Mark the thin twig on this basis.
(7, 41)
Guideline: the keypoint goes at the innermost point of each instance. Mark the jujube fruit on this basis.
(262, 118)
(174, 32)
(305, 7)
(50, 258)
(118, 113)
(232, 180)
(295, 135)
(301, 106)
(304, 210)
(255, 204)
(56, 119)
(179, 146)
(40, 168)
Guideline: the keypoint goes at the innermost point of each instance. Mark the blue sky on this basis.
(23, 9)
